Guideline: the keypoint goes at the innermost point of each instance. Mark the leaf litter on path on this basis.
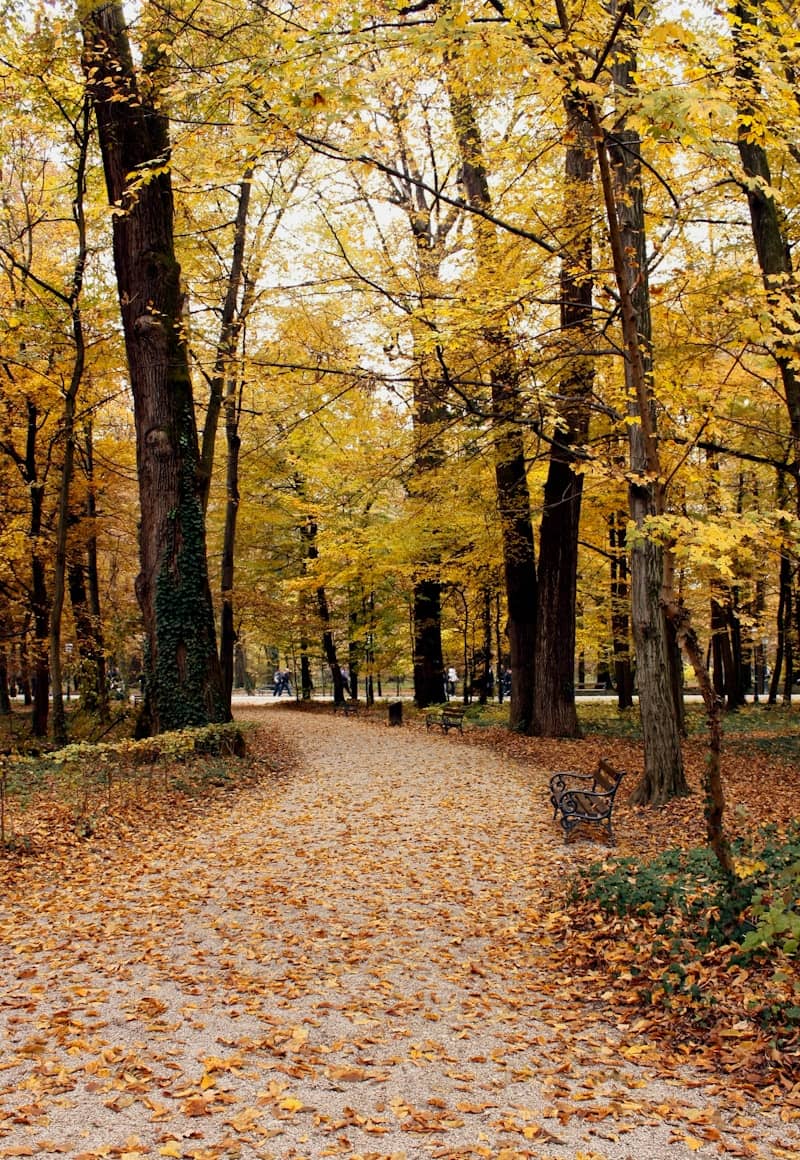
(356, 961)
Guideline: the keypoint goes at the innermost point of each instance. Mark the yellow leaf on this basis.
(347, 1074)
(291, 1104)
(244, 1120)
(173, 1149)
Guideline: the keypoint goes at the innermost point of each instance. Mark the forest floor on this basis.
(364, 950)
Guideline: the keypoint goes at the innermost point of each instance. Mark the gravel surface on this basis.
(351, 961)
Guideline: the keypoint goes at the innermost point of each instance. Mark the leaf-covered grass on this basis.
(80, 786)
(670, 934)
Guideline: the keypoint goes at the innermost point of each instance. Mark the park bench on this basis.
(349, 708)
(447, 718)
(585, 798)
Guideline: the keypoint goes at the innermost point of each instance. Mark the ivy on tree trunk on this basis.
(183, 684)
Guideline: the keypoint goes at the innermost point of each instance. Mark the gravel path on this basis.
(350, 962)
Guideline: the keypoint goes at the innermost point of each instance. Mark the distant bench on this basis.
(349, 708)
(585, 798)
(447, 718)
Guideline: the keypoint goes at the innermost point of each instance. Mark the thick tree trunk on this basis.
(554, 656)
(428, 660)
(329, 648)
(663, 776)
(770, 237)
(620, 170)
(773, 248)
(183, 683)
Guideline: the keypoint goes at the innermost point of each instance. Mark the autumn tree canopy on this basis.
(498, 298)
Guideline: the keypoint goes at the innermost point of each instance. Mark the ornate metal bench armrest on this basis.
(560, 781)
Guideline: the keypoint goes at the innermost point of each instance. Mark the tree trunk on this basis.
(620, 602)
(555, 714)
(714, 797)
(306, 683)
(97, 650)
(329, 648)
(770, 236)
(773, 245)
(5, 699)
(40, 606)
(183, 682)
(620, 170)
(354, 648)
(369, 649)
(511, 479)
(781, 620)
(59, 723)
(309, 534)
(428, 417)
(228, 635)
(428, 659)
(726, 656)
(498, 646)
(231, 324)
(25, 667)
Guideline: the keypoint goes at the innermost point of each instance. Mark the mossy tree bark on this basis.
(183, 684)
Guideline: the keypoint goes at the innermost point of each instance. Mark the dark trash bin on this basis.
(395, 712)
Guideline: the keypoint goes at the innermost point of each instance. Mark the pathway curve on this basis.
(351, 961)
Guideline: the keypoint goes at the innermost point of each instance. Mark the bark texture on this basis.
(554, 656)
(511, 479)
(183, 684)
(619, 163)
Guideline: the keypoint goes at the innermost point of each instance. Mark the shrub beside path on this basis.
(351, 959)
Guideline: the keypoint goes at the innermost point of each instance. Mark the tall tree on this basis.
(620, 167)
(554, 656)
(183, 684)
(430, 224)
(511, 480)
(752, 22)
(72, 300)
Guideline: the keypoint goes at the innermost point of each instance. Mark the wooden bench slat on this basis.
(447, 718)
(585, 797)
